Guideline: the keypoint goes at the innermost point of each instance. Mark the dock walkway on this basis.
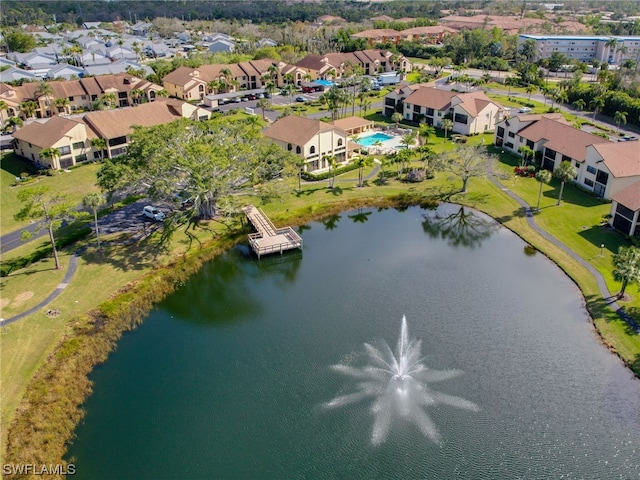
(268, 238)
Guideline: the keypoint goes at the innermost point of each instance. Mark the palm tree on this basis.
(542, 176)
(333, 162)
(620, 116)
(109, 99)
(627, 267)
(362, 162)
(271, 88)
(62, 104)
(561, 96)
(99, 144)
(13, 123)
(526, 153)
(447, 124)
(93, 201)
(596, 104)
(424, 132)
(530, 89)
(289, 89)
(612, 45)
(408, 139)
(162, 93)
(263, 104)
(579, 104)
(564, 173)
(136, 95)
(45, 90)
(28, 108)
(51, 154)
(396, 117)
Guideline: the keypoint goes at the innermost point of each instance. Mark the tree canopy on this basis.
(200, 162)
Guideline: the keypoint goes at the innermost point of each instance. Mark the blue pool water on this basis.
(370, 140)
(325, 83)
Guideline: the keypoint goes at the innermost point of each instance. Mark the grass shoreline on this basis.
(52, 405)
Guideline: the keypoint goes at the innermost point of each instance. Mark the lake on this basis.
(230, 376)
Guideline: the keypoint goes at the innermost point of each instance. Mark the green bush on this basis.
(313, 177)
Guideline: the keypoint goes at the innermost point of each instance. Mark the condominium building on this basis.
(613, 50)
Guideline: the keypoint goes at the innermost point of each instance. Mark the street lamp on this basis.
(601, 248)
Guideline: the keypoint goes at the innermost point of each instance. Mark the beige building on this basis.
(72, 137)
(471, 112)
(338, 65)
(549, 134)
(80, 94)
(310, 139)
(195, 83)
(610, 167)
(625, 210)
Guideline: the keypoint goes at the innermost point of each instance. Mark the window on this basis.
(312, 149)
(416, 108)
(500, 132)
(78, 145)
(512, 135)
(624, 211)
(508, 145)
(602, 177)
(65, 150)
(117, 141)
(430, 112)
(298, 150)
(289, 147)
(565, 158)
(591, 170)
(116, 152)
(460, 118)
(71, 99)
(588, 182)
(339, 142)
(81, 158)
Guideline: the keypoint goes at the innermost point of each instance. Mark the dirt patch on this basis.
(4, 302)
(22, 297)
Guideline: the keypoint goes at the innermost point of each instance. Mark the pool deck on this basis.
(268, 238)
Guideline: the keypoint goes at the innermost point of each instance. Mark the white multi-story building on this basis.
(613, 50)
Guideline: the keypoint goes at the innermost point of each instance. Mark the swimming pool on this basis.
(325, 83)
(370, 140)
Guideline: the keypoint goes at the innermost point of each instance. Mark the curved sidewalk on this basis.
(71, 270)
(602, 286)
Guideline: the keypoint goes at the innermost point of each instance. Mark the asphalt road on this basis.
(128, 219)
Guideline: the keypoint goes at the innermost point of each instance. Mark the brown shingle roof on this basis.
(296, 130)
(377, 33)
(180, 76)
(350, 123)
(431, 98)
(561, 137)
(119, 122)
(621, 158)
(44, 136)
(629, 197)
(474, 102)
(428, 30)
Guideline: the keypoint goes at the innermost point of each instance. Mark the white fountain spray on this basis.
(398, 385)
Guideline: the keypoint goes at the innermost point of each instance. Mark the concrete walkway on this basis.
(602, 286)
(71, 270)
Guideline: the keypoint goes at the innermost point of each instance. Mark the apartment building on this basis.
(614, 50)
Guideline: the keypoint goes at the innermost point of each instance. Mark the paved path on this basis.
(602, 286)
(71, 270)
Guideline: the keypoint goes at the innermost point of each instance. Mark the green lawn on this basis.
(75, 184)
(577, 222)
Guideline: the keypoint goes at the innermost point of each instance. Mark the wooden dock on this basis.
(268, 238)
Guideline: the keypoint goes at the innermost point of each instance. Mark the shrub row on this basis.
(314, 177)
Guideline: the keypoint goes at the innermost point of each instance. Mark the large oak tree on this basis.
(201, 162)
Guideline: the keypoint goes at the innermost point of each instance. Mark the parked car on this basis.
(301, 99)
(260, 95)
(251, 97)
(237, 100)
(627, 138)
(524, 110)
(153, 213)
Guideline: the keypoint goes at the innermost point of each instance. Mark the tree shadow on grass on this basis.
(336, 191)
(603, 235)
(629, 318)
(126, 255)
(308, 192)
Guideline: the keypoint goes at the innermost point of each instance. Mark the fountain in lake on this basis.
(398, 385)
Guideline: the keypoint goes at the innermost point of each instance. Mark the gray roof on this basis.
(12, 74)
